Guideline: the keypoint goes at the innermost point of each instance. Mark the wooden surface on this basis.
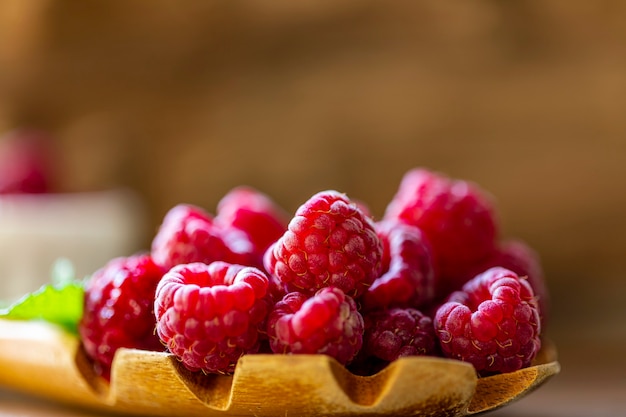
(48, 363)
(581, 390)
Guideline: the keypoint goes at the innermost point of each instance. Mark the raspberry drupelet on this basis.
(208, 316)
(492, 323)
(118, 310)
(329, 242)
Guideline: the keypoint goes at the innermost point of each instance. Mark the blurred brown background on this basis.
(182, 102)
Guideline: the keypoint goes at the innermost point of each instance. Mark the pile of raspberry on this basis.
(432, 277)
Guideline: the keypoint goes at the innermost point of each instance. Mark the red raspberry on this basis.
(329, 242)
(520, 258)
(326, 323)
(254, 213)
(408, 279)
(365, 209)
(189, 234)
(118, 307)
(277, 288)
(492, 323)
(457, 218)
(210, 315)
(397, 332)
(25, 163)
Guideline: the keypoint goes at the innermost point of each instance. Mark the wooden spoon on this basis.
(35, 356)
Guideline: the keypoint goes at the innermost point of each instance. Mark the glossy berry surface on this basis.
(189, 234)
(519, 257)
(118, 310)
(326, 323)
(432, 277)
(208, 316)
(329, 242)
(397, 332)
(456, 216)
(492, 323)
(408, 278)
(255, 214)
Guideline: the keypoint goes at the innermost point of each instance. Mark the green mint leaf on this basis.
(60, 303)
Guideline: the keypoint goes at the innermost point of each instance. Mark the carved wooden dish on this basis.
(45, 361)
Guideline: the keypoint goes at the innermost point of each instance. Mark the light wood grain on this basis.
(42, 360)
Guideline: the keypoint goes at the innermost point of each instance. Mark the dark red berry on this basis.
(25, 163)
(208, 316)
(189, 234)
(397, 332)
(118, 309)
(456, 216)
(492, 323)
(519, 257)
(326, 323)
(408, 278)
(254, 213)
(329, 242)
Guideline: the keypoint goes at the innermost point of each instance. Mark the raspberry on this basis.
(365, 209)
(517, 256)
(326, 323)
(397, 332)
(118, 309)
(492, 323)
(457, 218)
(25, 163)
(276, 286)
(254, 213)
(208, 316)
(408, 276)
(329, 242)
(189, 234)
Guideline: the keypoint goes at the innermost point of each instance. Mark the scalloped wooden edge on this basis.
(35, 356)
